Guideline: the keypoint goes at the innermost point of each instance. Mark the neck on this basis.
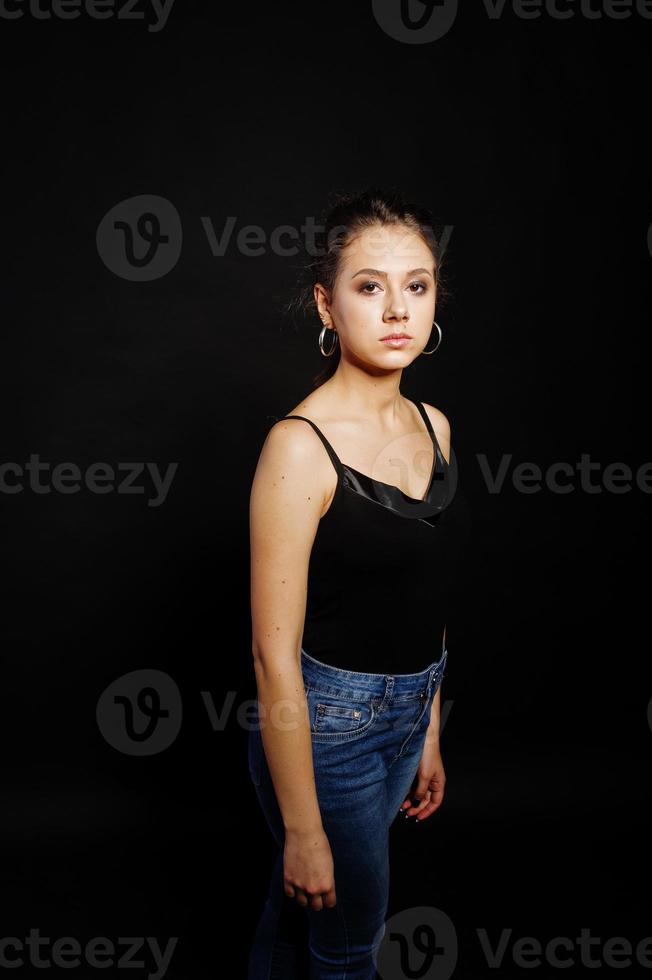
(361, 394)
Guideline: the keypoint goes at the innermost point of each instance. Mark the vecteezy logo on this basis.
(418, 943)
(140, 239)
(140, 712)
(415, 21)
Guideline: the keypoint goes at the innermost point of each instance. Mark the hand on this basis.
(428, 791)
(308, 869)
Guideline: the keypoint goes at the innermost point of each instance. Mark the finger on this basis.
(316, 903)
(437, 795)
(434, 804)
(410, 800)
(301, 897)
(419, 801)
(421, 793)
(424, 815)
(329, 898)
(407, 802)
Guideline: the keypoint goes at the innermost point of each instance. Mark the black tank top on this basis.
(382, 568)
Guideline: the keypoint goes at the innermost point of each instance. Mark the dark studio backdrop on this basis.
(161, 352)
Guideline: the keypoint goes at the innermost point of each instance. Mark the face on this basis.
(385, 285)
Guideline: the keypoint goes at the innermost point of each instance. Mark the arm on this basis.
(428, 790)
(442, 428)
(287, 498)
(432, 735)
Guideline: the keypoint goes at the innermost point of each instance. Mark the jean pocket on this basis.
(334, 718)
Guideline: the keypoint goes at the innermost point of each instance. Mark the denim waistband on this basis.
(395, 685)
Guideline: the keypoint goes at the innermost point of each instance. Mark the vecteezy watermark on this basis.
(99, 953)
(140, 238)
(422, 942)
(418, 942)
(526, 477)
(140, 713)
(97, 478)
(425, 21)
(561, 952)
(95, 9)
(252, 239)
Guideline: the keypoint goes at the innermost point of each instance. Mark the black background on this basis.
(528, 138)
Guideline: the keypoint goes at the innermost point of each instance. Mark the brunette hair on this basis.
(348, 214)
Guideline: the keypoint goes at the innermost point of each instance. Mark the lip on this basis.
(396, 341)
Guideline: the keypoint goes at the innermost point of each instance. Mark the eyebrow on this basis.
(379, 272)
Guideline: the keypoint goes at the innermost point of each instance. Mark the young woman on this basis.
(352, 539)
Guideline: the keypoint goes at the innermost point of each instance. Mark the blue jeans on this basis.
(367, 733)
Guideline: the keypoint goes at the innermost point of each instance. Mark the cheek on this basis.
(356, 311)
(359, 323)
(421, 320)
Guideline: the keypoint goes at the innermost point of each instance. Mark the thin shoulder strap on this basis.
(329, 449)
(426, 419)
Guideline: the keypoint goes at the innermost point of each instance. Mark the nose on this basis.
(396, 308)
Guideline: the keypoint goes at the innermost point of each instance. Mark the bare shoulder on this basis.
(293, 440)
(442, 428)
(291, 466)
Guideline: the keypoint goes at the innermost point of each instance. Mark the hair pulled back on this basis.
(346, 216)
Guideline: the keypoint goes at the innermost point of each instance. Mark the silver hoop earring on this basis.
(321, 341)
(435, 324)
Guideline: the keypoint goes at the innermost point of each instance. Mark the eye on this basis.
(422, 287)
